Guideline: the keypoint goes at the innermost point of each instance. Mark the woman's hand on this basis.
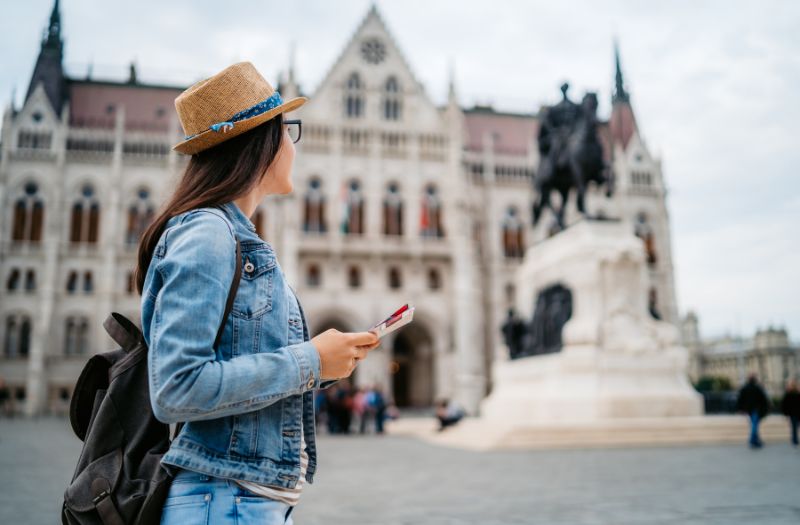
(339, 352)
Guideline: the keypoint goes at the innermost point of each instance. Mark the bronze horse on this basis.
(570, 155)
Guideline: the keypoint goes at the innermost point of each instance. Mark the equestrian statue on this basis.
(571, 155)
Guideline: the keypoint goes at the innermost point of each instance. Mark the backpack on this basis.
(119, 479)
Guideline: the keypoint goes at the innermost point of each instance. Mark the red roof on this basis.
(147, 107)
(515, 133)
(622, 123)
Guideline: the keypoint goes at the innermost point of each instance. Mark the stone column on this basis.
(411, 188)
(494, 256)
(287, 215)
(470, 380)
(111, 236)
(46, 270)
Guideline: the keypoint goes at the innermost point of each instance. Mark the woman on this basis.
(248, 442)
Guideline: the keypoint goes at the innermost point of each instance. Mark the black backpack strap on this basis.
(231, 293)
(108, 512)
(228, 307)
(123, 331)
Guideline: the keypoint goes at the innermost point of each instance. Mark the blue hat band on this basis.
(262, 107)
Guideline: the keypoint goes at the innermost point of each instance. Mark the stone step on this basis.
(476, 434)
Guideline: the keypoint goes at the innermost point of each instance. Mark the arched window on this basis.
(12, 283)
(430, 223)
(513, 244)
(18, 336)
(140, 215)
(354, 97)
(30, 280)
(354, 277)
(314, 208)
(85, 220)
(88, 282)
(72, 282)
(434, 279)
(392, 210)
(644, 231)
(28, 215)
(313, 277)
(353, 220)
(76, 336)
(392, 104)
(395, 280)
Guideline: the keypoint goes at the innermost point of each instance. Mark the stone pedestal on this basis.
(616, 361)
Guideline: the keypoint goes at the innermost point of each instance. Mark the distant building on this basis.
(769, 354)
(396, 200)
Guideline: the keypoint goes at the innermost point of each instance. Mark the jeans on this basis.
(755, 440)
(794, 421)
(200, 499)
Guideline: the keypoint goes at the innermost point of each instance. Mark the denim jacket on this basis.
(243, 404)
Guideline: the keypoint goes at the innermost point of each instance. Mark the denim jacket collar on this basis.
(237, 215)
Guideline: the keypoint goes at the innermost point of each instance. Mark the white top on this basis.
(286, 495)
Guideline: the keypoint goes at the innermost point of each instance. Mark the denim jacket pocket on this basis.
(255, 293)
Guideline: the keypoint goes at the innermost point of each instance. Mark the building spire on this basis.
(620, 95)
(452, 95)
(49, 70)
(622, 122)
(52, 35)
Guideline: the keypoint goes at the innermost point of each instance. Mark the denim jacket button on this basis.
(310, 382)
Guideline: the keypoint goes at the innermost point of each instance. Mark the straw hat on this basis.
(231, 102)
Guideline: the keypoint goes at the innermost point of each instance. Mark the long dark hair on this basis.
(212, 177)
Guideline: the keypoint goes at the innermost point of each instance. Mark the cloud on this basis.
(713, 84)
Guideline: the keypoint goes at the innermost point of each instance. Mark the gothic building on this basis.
(396, 200)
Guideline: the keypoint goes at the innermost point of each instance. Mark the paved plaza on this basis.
(402, 480)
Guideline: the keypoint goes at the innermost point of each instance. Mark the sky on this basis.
(715, 86)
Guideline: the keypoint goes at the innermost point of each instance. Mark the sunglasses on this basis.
(295, 129)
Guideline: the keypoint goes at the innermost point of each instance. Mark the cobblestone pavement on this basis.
(392, 480)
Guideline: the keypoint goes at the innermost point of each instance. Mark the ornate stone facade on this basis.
(396, 199)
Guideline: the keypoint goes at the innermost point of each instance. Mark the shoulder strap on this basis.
(231, 293)
(228, 307)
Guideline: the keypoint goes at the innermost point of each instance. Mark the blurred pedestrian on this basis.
(754, 402)
(790, 406)
(360, 409)
(378, 405)
(5, 398)
(448, 413)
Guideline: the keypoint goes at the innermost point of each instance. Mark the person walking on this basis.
(247, 444)
(360, 409)
(790, 406)
(5, 396)
(378, 404)
(753, 401)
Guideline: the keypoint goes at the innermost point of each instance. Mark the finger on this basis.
(369, 347)
(363, 338)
